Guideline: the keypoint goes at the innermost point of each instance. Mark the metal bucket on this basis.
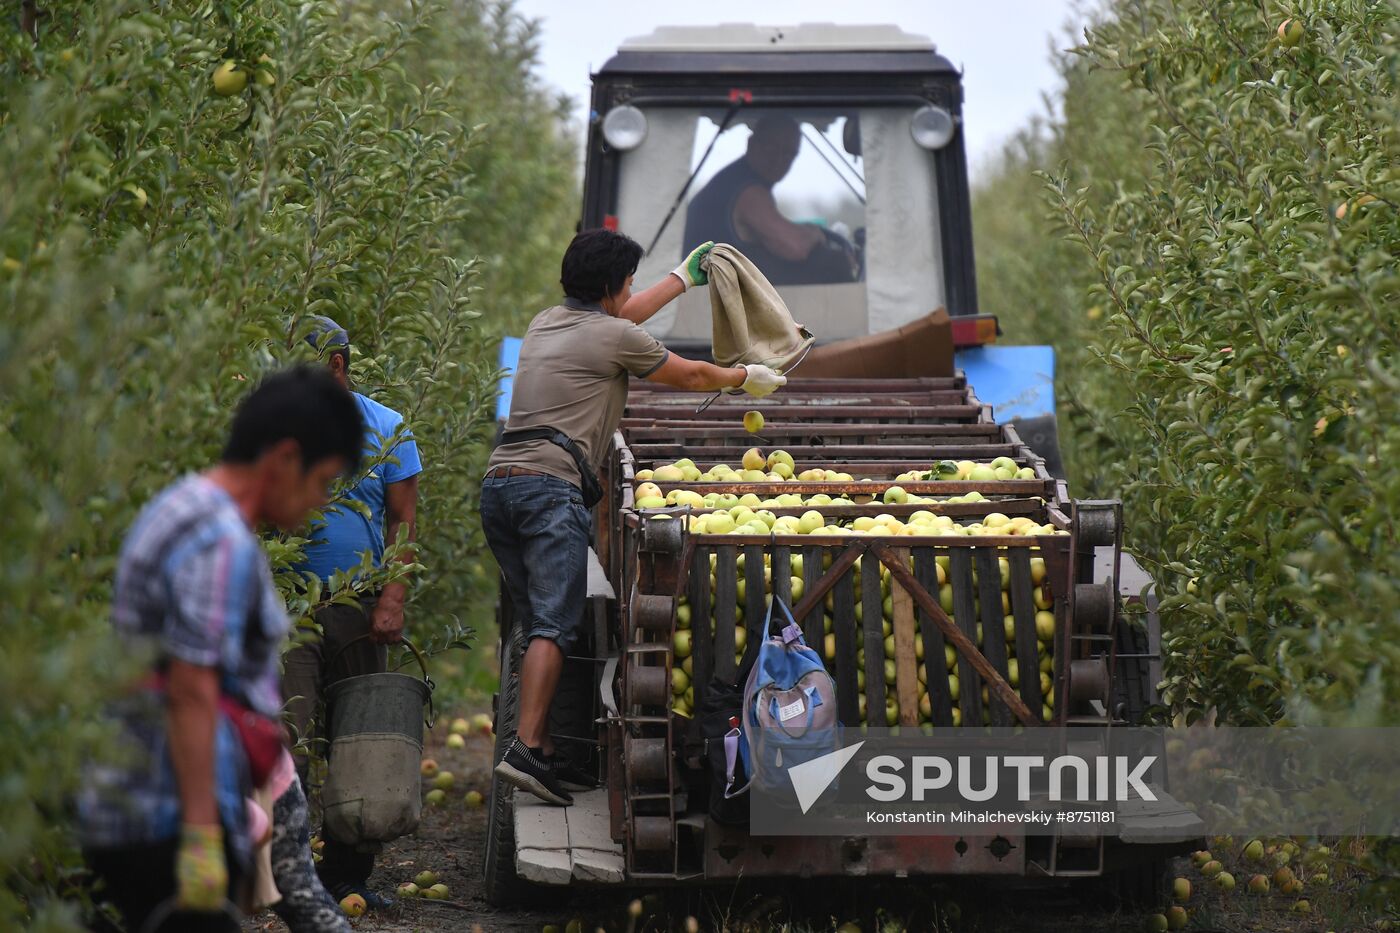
(375, 726)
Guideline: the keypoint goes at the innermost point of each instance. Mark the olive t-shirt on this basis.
(572, 376)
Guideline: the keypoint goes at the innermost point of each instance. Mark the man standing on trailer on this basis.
(569, 391)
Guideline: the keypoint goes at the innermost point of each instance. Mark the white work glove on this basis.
(762, 380)
(692, 272)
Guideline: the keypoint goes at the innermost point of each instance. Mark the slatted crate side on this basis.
(699, 434)
(838, 413)
(730, 450)
(929, 575)
(863, 614)
(799, 383)
(700, 404)
(820, 439)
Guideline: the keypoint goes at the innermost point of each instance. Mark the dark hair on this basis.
(597, 264)
(304, 403)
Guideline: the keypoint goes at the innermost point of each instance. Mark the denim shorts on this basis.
(539, 531)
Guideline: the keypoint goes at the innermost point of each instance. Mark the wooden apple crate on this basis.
(874, 430)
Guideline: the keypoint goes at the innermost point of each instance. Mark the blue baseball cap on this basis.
(326, 334)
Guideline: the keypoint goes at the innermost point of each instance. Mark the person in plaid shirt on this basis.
(167, 819)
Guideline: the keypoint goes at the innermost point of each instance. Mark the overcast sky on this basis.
(1002, 45)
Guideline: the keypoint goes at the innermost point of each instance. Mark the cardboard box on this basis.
(919, 348)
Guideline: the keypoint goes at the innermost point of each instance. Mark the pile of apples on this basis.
(751, 514)
(683, 691)
(778, 467)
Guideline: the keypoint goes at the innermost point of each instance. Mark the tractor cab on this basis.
(828, 155)
(831, 156)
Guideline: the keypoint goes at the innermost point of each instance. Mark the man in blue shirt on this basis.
(340, 542)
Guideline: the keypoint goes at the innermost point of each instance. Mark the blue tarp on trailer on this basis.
(508, 358)
(1018, 382)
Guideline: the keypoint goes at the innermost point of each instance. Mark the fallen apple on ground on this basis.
(353, 905)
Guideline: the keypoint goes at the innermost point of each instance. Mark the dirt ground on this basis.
(451, 842)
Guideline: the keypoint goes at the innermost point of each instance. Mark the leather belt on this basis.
(505, 472)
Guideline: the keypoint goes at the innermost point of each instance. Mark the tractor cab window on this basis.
(782, 189)
(837, 207)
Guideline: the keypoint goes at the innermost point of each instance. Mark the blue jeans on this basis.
(539, 531)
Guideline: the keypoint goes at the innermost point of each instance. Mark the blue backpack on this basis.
(789, 712)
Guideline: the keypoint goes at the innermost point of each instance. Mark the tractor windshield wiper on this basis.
(832, 165)
(675, 205)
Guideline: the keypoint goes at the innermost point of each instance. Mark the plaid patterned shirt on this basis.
(193, 585)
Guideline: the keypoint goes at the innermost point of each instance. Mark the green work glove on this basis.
(691, 272)
(201, 876)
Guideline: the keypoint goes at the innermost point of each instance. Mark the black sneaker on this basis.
(569, 775)
(527, 769)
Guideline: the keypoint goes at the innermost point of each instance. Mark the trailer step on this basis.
(1164, 820)
(561, 845)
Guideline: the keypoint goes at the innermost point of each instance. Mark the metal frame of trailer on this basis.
(648, 823)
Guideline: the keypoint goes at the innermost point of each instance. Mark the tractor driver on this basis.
(737, 207)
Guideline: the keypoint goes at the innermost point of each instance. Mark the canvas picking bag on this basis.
(751, 323)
